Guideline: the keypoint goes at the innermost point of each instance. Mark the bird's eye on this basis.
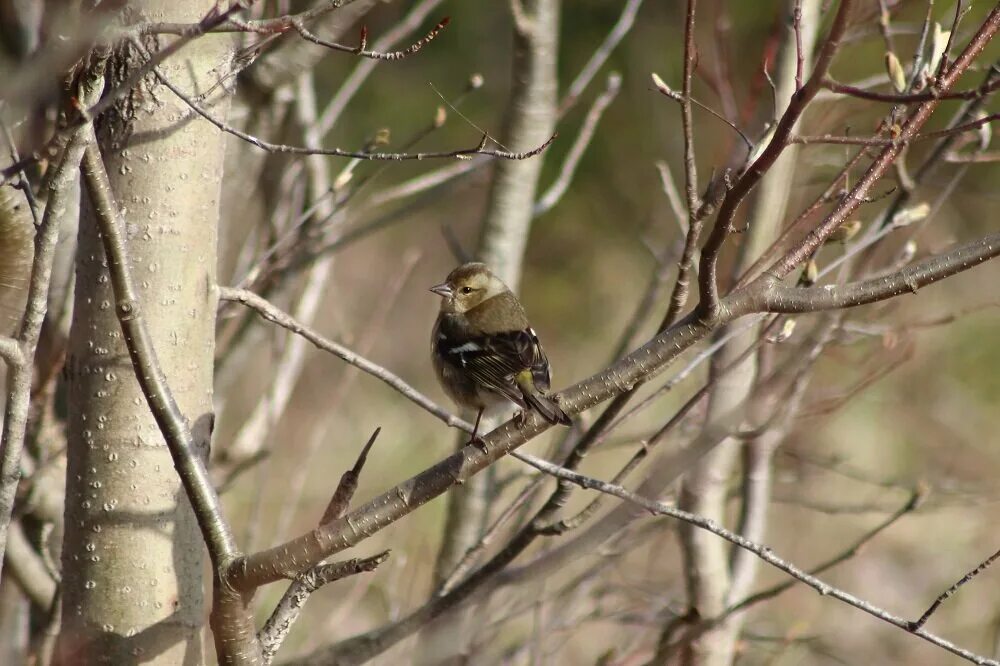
(466, 290)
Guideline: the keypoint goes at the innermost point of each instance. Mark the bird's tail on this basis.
(546, 408)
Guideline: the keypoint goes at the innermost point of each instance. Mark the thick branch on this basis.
(281, 561)
(772, 296)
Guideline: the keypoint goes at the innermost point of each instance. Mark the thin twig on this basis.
(687, 122)
(463, 153)
(763, 552)
(81, 114)
(883, 160)
(708, 274)
(667, 91)
(341, 499)
(890, 141)
(558, 188)
(273, 314)
(352, 84)
(597, 59)
(947, 594)
(799, 58)
(375, 55)
(909, 98)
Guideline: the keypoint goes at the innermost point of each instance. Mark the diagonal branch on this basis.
(462, 153)
(275, 315)
(361, 51)
(763, 552)
(888, 155)
(947, 594)
(274, 631)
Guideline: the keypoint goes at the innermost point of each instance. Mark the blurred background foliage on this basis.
(863, 442)
(855, 453)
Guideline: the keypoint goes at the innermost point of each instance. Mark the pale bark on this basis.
(707, 570)
(133, 554)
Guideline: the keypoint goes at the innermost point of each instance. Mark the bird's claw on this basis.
(479, 443)
(520, 418)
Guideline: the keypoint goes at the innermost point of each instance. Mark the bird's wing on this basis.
(495, 361)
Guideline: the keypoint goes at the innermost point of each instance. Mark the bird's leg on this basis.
(476, 439)
(520, 418)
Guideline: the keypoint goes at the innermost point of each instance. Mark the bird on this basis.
(485, 352)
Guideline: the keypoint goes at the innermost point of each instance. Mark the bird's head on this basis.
(467, 286)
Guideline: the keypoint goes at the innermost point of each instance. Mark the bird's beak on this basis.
(444, 290)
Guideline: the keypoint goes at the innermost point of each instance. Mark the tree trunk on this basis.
(132, 554)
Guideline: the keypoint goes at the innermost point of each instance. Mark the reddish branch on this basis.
(708, 277)
(887, 157)
(934, 93)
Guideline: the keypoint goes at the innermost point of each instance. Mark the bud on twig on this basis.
(662, 86)
(907, 253)
(787, 328)
(845, 232)
(912, 214)
(939, 42)
(896, 73)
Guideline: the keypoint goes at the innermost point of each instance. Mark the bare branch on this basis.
(886, 157)
(341, 499)
(673, 197)
(890, 141)
(349, 88)
(910, 98)
(778, 298)
(687, 123)
(848, 553)
(274, 631)
(708, 274)
(464, 153)
(374, 55)
(621, 28)
(947, 594)
(19, 377)
(273, 314)
(761, 551)
(667, 91)
(561, 184)
(230, 24)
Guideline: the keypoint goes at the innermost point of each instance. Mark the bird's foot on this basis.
(520, 418)
(479, 443)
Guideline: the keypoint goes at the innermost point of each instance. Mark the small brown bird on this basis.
(483, 349)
